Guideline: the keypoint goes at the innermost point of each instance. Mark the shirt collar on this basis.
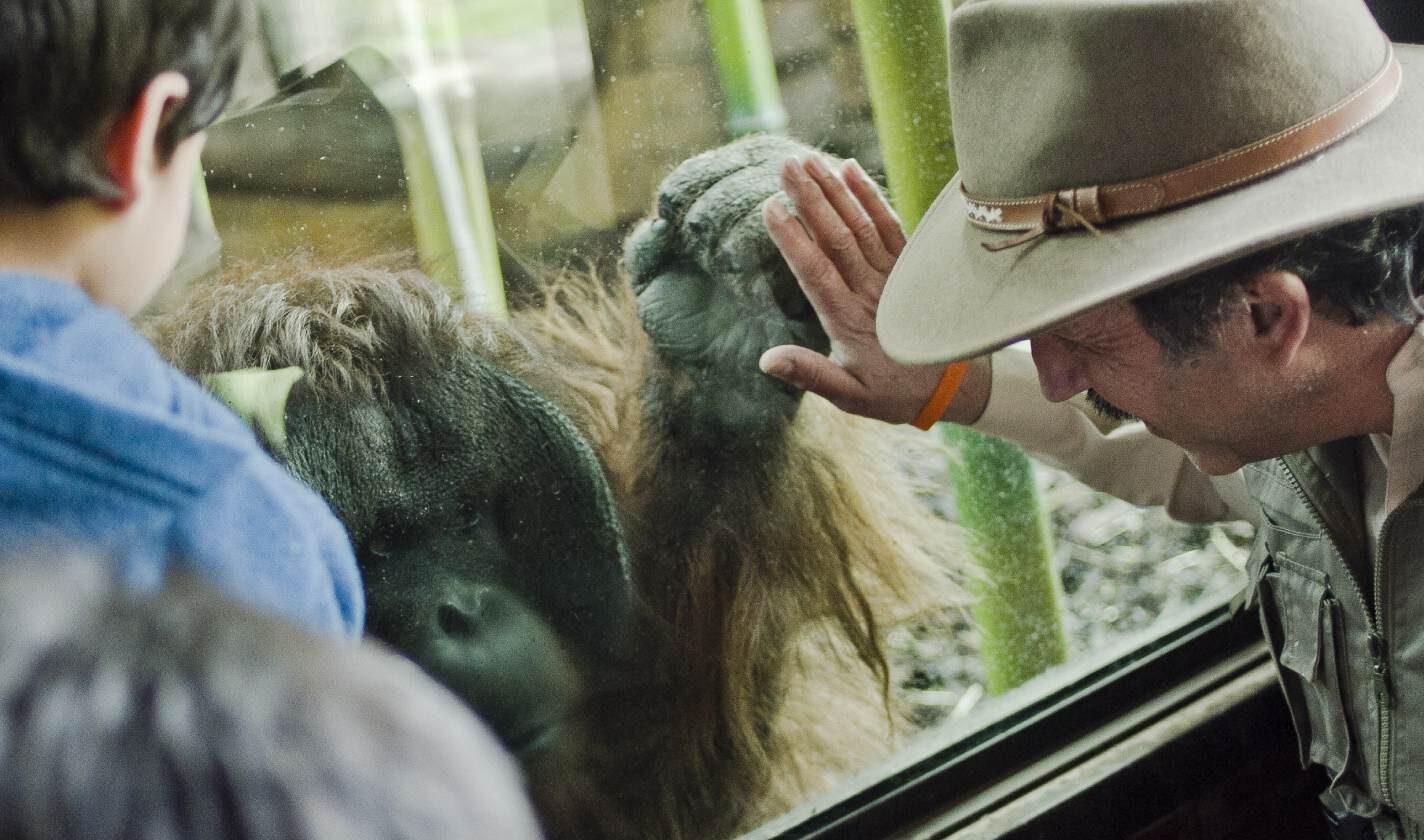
(1403, 450)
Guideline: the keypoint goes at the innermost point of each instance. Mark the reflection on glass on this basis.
(789, 558)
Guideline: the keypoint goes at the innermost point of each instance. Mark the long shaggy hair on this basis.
(767, 572)
(775, 567)
(353, 329)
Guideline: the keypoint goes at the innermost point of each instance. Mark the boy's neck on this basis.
(53, 242)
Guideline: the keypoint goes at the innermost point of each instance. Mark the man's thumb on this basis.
(810, 371)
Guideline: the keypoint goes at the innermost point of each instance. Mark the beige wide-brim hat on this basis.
(1184, 133)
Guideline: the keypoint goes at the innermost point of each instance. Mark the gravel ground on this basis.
(1121, 569)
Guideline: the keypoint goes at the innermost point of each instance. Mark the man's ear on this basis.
(131, 151)
(1279, 307)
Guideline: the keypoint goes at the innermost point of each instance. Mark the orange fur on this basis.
(767, 574)
(776, 591)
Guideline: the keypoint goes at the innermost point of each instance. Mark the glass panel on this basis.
(489, 141)
(1127, 575)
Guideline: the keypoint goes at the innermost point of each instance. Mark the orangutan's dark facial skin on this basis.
(490, 549)
(488, 544)
(433, 595)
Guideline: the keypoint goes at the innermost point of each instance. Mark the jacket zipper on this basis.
(1379, 663)
(1384, 691)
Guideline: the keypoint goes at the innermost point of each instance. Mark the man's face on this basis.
(1214, 405)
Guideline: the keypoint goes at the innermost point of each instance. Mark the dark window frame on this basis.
(991, 766)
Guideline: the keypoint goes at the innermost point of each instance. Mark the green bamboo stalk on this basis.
(445, 183)
(440, 151)
(747, 73)
(201, 210)
(904, 47)
(1015, 597)
(487, 292)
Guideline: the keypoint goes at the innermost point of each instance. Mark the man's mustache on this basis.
(1107, 409)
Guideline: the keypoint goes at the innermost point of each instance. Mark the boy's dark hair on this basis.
(182, 715)
(70, 68)
(1355, 273)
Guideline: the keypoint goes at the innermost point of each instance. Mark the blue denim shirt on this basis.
(107, 450)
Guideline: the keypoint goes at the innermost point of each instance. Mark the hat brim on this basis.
(948, 298)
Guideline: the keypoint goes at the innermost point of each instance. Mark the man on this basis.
(1205, 214)
(104, 448)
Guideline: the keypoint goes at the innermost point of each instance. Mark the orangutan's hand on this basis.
(841, 249)
(714, 293)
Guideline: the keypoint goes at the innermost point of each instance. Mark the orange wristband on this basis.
(943, 394)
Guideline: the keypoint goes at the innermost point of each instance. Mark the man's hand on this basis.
(841, 251)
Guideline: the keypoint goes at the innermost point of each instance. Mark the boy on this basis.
(180, 715)
(104, 448)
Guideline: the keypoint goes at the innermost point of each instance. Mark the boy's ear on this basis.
(131, 152)
(1279, 308)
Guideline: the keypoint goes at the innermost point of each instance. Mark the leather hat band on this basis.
(1088, 207)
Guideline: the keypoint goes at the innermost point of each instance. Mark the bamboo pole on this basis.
(904, 47)
(745, 67)
(1015, 605)
(452, 210)
(902, 44)
(434, 122)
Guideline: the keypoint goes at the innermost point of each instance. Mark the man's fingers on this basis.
(821, 281)
(825, 224)
(852, 215)
(808, 370)
(892, 233)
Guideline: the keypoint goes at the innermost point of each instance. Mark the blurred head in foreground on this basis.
(181, 715)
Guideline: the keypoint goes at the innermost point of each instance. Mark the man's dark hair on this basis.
(70, 68)
(1356, 272)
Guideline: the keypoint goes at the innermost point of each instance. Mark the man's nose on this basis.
(1059, 375)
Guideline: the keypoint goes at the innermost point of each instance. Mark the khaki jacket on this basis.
(1345, 624)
